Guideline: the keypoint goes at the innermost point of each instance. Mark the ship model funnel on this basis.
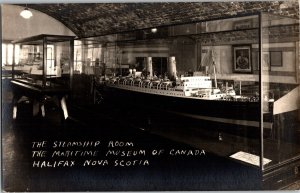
(172, 72)
(149, 67)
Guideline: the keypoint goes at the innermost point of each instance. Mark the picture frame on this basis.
(276, 59)
(242, 59)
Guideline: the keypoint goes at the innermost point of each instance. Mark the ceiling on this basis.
(92, 19)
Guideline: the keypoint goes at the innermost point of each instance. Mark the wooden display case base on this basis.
(281, 176)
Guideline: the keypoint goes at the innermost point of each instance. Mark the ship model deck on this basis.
(192, 97)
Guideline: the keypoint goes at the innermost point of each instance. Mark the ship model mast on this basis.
(210, 65)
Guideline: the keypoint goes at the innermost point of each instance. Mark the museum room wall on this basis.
(180, 42)
(131, 52)
(285, 73)
(40, 23)
(187, 51)
(186, 59)
(285, 68)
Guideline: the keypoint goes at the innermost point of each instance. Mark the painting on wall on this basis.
(242, 59)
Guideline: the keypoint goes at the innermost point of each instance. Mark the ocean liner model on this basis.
(192, 97)
(189, 96)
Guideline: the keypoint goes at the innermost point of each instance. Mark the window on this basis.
(77, 56)
(50, 54)
(4, 54)
(10, 50)
(17, 54)
(7, 54)
(50, 60)
(93, 55)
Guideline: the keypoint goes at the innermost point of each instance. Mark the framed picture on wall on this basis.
(242, 59)
(276, 58)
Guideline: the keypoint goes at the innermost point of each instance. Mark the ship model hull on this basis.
(232, 114)
(191, 99)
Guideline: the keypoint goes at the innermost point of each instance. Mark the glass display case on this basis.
(229, 85)
(42, 70)
(44, 61)
(280, 81)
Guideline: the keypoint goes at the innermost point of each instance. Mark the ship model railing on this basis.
(162, 84)
(165, 84)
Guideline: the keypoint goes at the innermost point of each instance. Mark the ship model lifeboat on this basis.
(146, 83)
(137, 82)
(120, 80)
(113, 80)
(155, 84)
(165, 84)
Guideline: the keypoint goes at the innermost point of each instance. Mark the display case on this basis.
(228, 85)
(44, 61)
(42, 69)
(280, 80)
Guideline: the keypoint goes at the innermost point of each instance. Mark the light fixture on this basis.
(154, 30)
(26, 13)
(284, 5)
